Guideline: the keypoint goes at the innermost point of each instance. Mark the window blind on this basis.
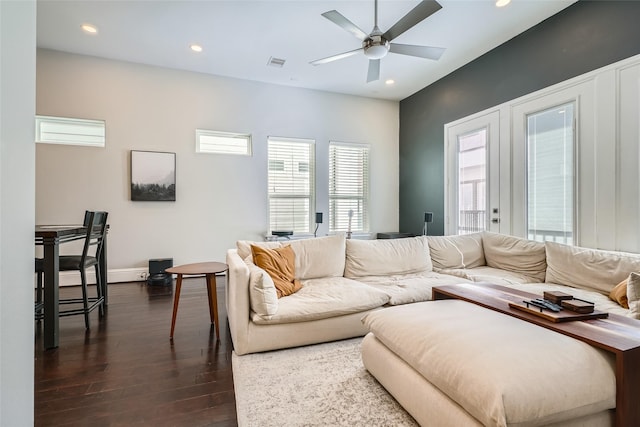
(291, 184)
(208, 141)
(68, 131)
(348, 187)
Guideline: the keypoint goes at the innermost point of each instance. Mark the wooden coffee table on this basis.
(209, 270)
(616, 334)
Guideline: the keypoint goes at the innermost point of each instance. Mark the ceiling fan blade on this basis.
(374, 70)
(428, 52)
(423, 10)
(336, 57)
(338, 19)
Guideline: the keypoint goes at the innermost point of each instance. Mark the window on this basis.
(550, 176)
(348, 187)
(208, 141)
(472, 178)
(66, 131)
(291, 184)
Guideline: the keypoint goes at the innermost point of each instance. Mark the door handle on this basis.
(495, 220)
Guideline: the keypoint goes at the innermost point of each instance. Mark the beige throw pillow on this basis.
(633, 295)
(619, 294)
(279, 263)
(262, 292)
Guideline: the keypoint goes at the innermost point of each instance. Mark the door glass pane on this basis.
(550, 174)
(472, 177)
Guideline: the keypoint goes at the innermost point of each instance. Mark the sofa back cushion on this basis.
(319, 257)
(585, 268)
(244, 247)
(387, 256)
(516, 255)
(464, 251)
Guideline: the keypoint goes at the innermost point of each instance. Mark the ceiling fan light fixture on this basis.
(375, 47)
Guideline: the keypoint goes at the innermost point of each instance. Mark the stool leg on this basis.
(213, 302)
(176, 299)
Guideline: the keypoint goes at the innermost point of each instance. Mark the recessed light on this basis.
(89, 29)
(501, 3)
(195, 47)
(390, 82)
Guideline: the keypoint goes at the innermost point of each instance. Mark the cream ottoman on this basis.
(453, 363)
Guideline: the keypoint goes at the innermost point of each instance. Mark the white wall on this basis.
(220, 198)
(17, 172)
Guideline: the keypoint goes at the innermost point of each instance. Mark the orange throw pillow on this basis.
(619, 294)
(279, 263)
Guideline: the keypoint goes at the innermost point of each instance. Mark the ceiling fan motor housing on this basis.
(375, 46)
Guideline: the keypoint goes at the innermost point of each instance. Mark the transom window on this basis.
(69, 131)
(209, 141)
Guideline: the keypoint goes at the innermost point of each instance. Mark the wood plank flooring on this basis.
(126, 372)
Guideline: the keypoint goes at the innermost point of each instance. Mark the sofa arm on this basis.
(237, 300)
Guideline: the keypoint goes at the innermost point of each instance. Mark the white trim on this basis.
(72, 278)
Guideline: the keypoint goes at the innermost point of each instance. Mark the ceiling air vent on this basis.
(276, 62)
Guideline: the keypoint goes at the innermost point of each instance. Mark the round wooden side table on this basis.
(209, 270)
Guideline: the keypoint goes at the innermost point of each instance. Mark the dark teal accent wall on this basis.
(583, 37)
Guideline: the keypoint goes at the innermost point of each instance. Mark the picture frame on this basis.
(153, 176)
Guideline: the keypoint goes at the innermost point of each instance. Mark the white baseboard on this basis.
(71, 278)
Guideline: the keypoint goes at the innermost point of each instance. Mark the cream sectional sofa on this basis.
(345, 279)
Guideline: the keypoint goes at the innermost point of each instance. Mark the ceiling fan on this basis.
(377, 44)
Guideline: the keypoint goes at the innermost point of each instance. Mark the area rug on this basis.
(318, 385)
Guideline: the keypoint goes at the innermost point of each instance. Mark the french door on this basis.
(472, 197)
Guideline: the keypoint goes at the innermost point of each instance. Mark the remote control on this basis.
(547, 304)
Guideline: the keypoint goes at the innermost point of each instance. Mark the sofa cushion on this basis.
(492, 275)
(319, 257)
(262, 292)
(514, 254)
(412, 287)
(244, 247)
(324, 298)
(464, 251)
(279, 263)
(619, 294)
(387, 256)
(501, 370)
(633, 295)
(588, 268)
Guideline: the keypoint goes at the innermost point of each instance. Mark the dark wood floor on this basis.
(126, 372)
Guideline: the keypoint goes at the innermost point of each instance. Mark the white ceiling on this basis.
(240, 36)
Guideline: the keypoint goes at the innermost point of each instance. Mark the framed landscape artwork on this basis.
(153, 176)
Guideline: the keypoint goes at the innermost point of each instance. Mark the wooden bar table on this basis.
(209, 270)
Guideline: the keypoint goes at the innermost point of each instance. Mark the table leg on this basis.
(176, 299)
(51, 293)
(213, 302)
(627, 388)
